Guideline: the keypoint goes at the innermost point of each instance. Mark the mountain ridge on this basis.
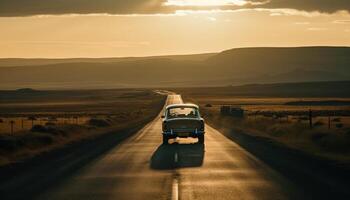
(231, 67)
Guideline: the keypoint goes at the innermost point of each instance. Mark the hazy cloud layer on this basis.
(53, 7)
(328, 6)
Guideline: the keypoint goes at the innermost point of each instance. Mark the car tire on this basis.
(201, 139)
(165, 139)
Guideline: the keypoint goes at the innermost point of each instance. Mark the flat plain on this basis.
(283, 120)
(33, 122)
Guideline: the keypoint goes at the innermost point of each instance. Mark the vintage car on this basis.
(182, 120)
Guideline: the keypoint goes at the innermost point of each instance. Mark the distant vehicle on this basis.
(182, 120)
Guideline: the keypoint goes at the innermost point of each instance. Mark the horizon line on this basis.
(180, 54)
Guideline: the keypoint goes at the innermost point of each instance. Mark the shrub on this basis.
(303, 118)
(277, 130)
(339, 125)
(52, 118)
(50, 124)
(32, 118)
(47, 129)
(318, 123)
(38, 128)
(336, 120)
(99, 122)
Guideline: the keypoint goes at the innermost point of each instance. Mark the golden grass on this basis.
(333, 143)
(125, 110)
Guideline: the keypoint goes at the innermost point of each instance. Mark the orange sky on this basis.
(179, 32)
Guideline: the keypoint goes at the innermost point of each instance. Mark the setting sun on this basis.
(205, 2)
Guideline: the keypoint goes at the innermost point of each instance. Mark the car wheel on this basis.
(165, 139)
(201, 139)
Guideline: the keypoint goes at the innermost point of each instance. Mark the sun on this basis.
(205, 2)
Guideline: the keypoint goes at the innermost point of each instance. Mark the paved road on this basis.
(142, 168)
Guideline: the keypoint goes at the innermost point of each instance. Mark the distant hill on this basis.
(301, 75)
(17, 62)
(282, 60)
(337, 89)
(232, 67)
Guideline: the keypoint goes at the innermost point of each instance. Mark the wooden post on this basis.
(256, 113)
(310, 118)
(12, 123)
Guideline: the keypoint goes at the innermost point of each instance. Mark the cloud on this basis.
(316, 29)
(302, 23)
(78, 43)
(213, 19)
(346, 21)
(56, 7)
(327, 6)
(122, 7)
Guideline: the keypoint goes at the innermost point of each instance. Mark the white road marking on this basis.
(175, 157)
(175, 191)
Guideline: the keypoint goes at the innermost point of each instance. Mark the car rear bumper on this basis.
(183, 133)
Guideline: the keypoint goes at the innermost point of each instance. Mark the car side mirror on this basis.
(162, 116)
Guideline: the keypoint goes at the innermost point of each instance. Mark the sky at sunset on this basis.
(117, 28)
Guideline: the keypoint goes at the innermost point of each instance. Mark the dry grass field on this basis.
(32, 122)
(275, 119)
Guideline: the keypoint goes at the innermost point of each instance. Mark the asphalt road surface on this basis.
(142, 168)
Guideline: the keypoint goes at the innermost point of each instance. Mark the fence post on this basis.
(310, 118)
(12, 123)
(256, 113)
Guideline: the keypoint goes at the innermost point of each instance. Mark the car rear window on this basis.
(182, 112)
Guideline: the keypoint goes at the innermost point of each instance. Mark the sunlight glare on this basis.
(205, 2)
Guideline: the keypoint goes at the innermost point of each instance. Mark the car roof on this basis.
(190, 105)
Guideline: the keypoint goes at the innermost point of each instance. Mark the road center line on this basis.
(175, 157)
(175, 189)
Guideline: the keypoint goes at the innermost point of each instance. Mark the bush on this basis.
(38, 128)
(32, 118)
(50, 124)
(53, 119)
(339, 125)
(336, 120)
(47, 129)
(277, 130)
(303, 118)
(99, 122)
(318, 123)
